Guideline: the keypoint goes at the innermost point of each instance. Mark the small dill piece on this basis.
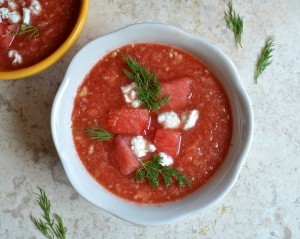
(98, 134)
(148, 88)
(51, 228)
(264, 59)
(235, 23)
(28, 31)
(151, 170)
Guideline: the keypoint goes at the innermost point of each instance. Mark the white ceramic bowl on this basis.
(216, 187)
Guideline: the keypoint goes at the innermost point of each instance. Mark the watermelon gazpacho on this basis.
(31, 30)
(151, 123)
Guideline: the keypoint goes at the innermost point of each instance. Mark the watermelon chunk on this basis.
(179, 93)
(6, 34)
(168, 141)
(128, 121)
(127, 161)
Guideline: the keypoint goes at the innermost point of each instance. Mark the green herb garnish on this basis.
(235, 23)
(98, 134)
(27, 30)
(148, 88)
(151, 170)
(51, 228)
(265, 58)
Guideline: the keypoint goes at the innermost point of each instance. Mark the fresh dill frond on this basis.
(235, 23)
(151, 170)
(98, 134)
(28, 31)
(264, 59)
(148, 88)
(51, 228)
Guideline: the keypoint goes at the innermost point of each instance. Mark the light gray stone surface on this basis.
(265, 201)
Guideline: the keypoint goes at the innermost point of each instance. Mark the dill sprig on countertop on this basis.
(264, 59)
(98, 134)
(235, 23)
(148, 88)
(51, 228)
(28, 31)
(151, 170)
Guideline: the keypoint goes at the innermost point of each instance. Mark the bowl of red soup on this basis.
(151, 123)
(35, 34)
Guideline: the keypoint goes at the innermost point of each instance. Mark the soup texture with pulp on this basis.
(196, 119)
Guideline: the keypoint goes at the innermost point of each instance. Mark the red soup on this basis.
(31, 30)
(189, 134)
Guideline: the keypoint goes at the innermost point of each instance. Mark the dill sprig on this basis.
(28, 30)
(51, 228)
(151, 170)
(235, 23)
(148, 88)
(98, 134)
(264, 59)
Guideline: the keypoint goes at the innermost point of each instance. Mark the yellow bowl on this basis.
(55, 56)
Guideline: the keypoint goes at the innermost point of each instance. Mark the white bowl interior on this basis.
(216, 187)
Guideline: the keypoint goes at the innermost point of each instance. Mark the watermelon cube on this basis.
(127, 161)
(168, 141)
(7, 34)
(132, 121)
(179, 92)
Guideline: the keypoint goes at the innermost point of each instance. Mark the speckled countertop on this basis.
(265, 201)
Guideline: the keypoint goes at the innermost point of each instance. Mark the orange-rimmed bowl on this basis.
(57, 54)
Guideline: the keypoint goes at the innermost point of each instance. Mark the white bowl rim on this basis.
(159, 215)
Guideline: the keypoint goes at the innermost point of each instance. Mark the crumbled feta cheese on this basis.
(169, 120)
(4, 13)
(127, 89)
(151, 148)
(166, 159)
(189, 119)
(14, 16)
(130, 95)
(26, 15)
(135, 104)
(35, 7)
(140, 147)
(12, 5)
(17, 57)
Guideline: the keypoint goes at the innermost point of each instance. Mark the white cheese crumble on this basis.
(130, 95)
(169, 120)
(26, 15)
(12, 4)
(166, 159)
(14, 16)
(17, 58)
(189, 119)
(4, 13)
(140, 147)
(35, 7)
